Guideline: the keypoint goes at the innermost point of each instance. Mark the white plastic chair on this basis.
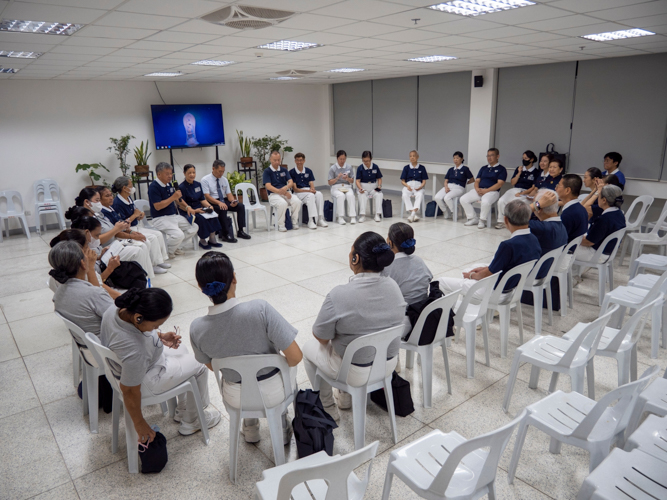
(444, 304)
(145, 207)
(626, 476)
(91, 373)
(650, 438)
(604, 263)
(104, 356)
(252, 401)
(560, 355)
(634, 298)
(564, 275)
(422, 209)
(652, 238)
(653, 399)
(576, 420)
(448, 466)
(318, 477)
(504, 302)
(49, 205)
(246, 188)
(641, 205)
(536, 286)
(648, 261)
(12, 212)
(621, 344)
(468, 314)
(377, 379)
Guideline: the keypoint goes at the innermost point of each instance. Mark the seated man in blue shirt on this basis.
(612, 162)
(573, 214)
(489, 180)
(520, 248)
(304, 189)
(279, 183)
(548, 228)
(163, 199)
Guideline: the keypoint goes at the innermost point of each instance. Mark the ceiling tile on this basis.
(190, 8)
(590, 29)
(30, 38)
(313, 22)
(118, 33)
(504, 32)
(169, 46)
(181, 37)
(622, 14)
(528, 14)
(325, 38)
(425, 17)
(365, 28)
(354, 9)
(87, 41)
(561, 23)
(591, 5)
(144, 21)
(89, 4)
(411, 35)
(55, 13)
(71, 49)
(273, 33)
(467, 25)
(199, 26)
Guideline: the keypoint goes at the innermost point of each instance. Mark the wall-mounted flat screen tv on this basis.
(179, 126)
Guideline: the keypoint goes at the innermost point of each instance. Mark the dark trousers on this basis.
(226, 222)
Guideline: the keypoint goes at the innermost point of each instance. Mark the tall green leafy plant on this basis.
(91, 170)
(244, 143)
(234, 178)
(121, 148)
(141, 154)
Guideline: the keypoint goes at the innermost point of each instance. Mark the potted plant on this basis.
(245, 144)
(91, 170)
(263, 148)
(235, 178)
(141, 156)
(121, 148)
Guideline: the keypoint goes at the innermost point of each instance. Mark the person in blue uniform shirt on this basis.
(549, 228)
(612, 162)
(304, 188)
(369, 186)
(556, 169)
(193, 195)
(522, 180)
(279, 184)
(414, 179)
(166, 219)
(218, 193)
(591, 202)
(455, 185)
(540, 177)
(573, 214)
(489, 180)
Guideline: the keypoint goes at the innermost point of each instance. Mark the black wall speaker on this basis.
(479, 81)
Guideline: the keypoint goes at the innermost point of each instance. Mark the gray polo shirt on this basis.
(345, 169)
(82, 303)
(138, 351)
(412, 275)
(239, 329)
(367, 304)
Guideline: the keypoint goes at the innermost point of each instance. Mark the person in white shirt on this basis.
(341, 180)
(369, 186)
(304, 188)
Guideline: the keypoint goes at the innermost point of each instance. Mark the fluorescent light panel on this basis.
(285, 78)
(8, 70)
(45, 27)
(165, 73)
(210, 62)
(345, 70)
(289, 45)
(618, 35)
(479, 7)
(431, 59)
(19, 54)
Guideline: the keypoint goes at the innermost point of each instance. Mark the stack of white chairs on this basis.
(45, 203)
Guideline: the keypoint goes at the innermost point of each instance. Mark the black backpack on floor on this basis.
(154, 457)
(400, 389)
(313, 427)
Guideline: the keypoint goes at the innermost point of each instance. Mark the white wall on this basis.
(48, 127)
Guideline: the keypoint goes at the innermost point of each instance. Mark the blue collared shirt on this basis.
(609, 222)
(414, 174)
(158, 192)
(302, 179)
(277, 178)
(551, 234)
(618, 174)
(575, 219)
(368, 175)
(526, 178)
(522, 247)
(460, 175)
(124, 209)
(490, 175)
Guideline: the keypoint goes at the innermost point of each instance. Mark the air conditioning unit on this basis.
(247, 17)
(295, 72)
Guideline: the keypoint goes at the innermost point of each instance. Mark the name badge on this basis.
(530, 178)
(282, 174)
(170, 189)
(375, 171)
(307, 175)
(197, 189)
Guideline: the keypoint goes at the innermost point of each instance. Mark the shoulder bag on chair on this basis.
(313, 427)
(559, 156)
(400, 388)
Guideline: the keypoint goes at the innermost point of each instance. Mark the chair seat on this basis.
(645, 281)
(651, 438)
(644, 237)
(548, 350)
(608, 335)
(561, 411)
(268, 486)
(627, 295)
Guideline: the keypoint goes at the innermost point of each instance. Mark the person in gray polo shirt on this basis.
(232, 328)
(369, 303)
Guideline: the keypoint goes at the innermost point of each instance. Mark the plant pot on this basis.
(246, 161)
(263, 194)
(141, 170)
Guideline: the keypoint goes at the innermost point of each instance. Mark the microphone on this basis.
(175, 185)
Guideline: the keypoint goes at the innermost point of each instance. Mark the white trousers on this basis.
(281, 204)
(447, 199)
(138, 252)
(323, 356)
(506, 198)
(180, 365)
(408, 195)
(487, 201)
(340, 201)
(176, 228)
(156, 245)
(448, 285)
(314, 202)
(370, 194)
(272, 389)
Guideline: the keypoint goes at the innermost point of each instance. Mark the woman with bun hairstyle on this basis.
(408, 270)
(89, 199)
(77, 299)
(233, 328)
(367, 304)
(455, 185)
(131, 330)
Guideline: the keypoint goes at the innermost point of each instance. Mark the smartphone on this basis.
(378, 190)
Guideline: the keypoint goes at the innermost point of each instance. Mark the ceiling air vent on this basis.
(295, 72)
(246, 17)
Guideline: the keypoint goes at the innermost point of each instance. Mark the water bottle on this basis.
(148, 284)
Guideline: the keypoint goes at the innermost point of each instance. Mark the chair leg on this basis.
(516, 363)
(470, 349)
(386, 490)
(519, 317)
(602, 282)
(200, 410)
(610, 274)
(389, 394)
(570, 289)
(549, 304)
(598, 454)
(275, 421)
(635, 416)
(76, 364)
(554, 382)
(624, 248)
(655, 330)
(426, 356)
(409, 359)
(234, 433)
(562, 291)
(534, 377)
(555, 446)
(445, 358)
(485, 337)
(633, 363)
(623, 368)
(359, 412)
(537, 301)
(492, 491)
(504, 313)
(576, 381)
(92, 376)
(518, 446)
(84, 392)
(131, 440)
(590, 378)
(115, 416)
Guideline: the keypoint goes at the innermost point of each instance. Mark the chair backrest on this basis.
(445, 304)
(588, 338)
(487, 284)
(104, 356)
(662, 220)
(660, 286)
(553, 256)
(378, 340)
(522, 270)
(625, 397)
(640, 206)
(247, 367)
(630, 327)
(77, 333)
(617, 236)
(45, 187)
(569, 249)
(246, 188)
(334, 472)
(142, 205)
(496, 441)
(11, 206)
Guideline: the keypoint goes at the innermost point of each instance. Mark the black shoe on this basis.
(243, 235)
(205, 247)
(216, 245)
(229, 239)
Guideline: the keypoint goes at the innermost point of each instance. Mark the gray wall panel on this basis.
(534, 108)
(444, 115)
(353, 116)
(621, 105)
(395, 117)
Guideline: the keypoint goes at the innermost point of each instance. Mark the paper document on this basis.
(114, 249)
(212, 215)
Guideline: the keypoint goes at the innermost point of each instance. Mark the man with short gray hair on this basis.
(549, 229)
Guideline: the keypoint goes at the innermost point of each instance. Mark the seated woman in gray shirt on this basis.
(369, 303)
(131, 331)
(233, 328)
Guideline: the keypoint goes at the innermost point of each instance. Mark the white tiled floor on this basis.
(47, 451)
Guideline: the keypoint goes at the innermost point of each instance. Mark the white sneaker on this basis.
(282, 229)
(482, 224)
(172, 255)
(295, 226)
(500, 225)
(362, 218)
(448, 214)
(341, 221)
(212, 419)
(164, 265)
(377, 218)
(178, 251)
(311, 224)
(416, 217)
(411, 217)
(322, 222)
(333, 411)
(344, 400)
(159, 270)
(353, 220)
(471, 222)
(250, 432)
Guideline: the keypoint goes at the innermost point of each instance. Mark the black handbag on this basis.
(386, 209)
(559, 156)
(304, 215)
(313, 427)
(127, 275)
(432, 320)
(104, 394)
(154, 456)
(288, 220)
(400, 388)
(328, 211)
(431, 207)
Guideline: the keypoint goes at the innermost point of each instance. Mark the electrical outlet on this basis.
(28, 212)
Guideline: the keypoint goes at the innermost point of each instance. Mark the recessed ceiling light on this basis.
(20, 55)
(345, 70)
(285, 78)
(289, 45)
(8, 70)
(210, 62)
(479, 7)
(618, 35)
(49, 28)
(430, 59)
(165, 73)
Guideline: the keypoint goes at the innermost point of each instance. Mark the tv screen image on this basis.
(187, 125)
